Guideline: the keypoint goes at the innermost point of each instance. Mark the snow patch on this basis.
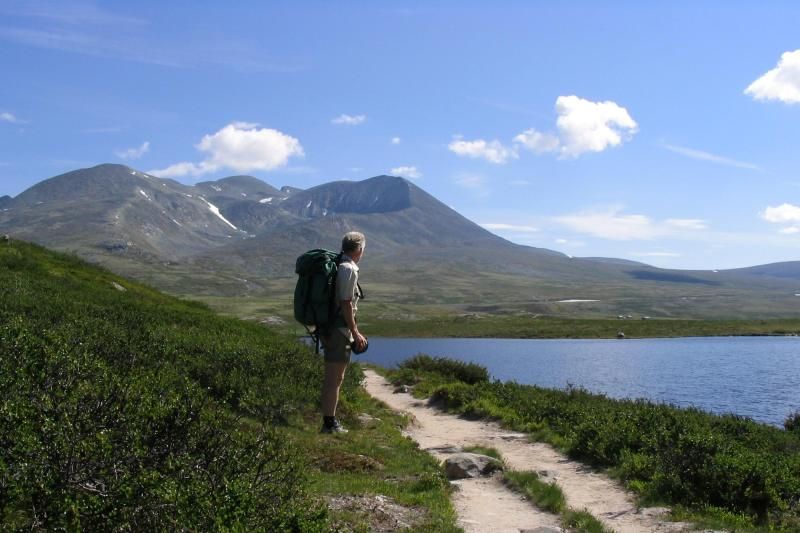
(178, 223)
(144, 194)
(188, 195)
(216, 188)
(575, 301)
(309, 204)
(244, 195)
(265, 200)
(324, 212)
(214, 209)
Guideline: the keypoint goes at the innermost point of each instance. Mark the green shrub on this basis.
(126, 410)
(681, 456)
(469, 373)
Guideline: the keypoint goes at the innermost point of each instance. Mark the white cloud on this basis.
(537, 141)
(470, 181)
(781, 83)
(586, 126)
(492, 151)
(782, 214)
(612, 224)
(133, 153)
(561, 241)
(349, 120)
(395, 140)
(406, 172)
(686, 223)
(654, 254)
(9, 117)
(706, 156)
(510, 227)
(179, 169)
(791, 230)
(242, 147)
(583, 126)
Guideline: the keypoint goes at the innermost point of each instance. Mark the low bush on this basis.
(681, 456)
(469, 373)
(134, 410)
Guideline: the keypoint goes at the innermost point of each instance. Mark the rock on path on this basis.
(485, 504)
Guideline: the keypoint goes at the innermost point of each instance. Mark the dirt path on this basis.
(486, 505)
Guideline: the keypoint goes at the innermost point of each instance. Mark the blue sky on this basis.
(660, 132)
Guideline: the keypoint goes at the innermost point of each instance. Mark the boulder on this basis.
(470, 465)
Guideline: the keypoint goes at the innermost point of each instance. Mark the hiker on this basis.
(341, 340)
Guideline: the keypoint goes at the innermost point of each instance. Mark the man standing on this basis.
(338, 342)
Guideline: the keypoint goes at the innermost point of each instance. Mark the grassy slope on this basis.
(122, 406)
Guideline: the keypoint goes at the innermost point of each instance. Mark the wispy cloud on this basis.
(349, 120)
(86, 29)
(654, 254)
(495, 226)
(133, 153)
(109, 129)
(707, 156)
(395, 140)
(10, 118)
(613, 224)
(782, 83)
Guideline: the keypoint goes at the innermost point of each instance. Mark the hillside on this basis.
(239, 236)
(124, 408)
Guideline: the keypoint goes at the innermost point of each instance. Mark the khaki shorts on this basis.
(336, 347)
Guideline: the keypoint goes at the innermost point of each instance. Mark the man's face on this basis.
(357, 255)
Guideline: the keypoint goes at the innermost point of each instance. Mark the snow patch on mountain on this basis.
(214, 209)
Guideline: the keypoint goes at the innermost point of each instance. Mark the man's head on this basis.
(353, 244)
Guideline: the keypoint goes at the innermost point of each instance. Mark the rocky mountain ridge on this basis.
(240, 235)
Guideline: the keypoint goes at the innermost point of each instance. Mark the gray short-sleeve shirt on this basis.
(347, 287)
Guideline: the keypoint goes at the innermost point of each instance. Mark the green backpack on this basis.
(315, 304)
(315, 292)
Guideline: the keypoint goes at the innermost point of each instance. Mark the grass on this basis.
(433, 320)
(546, 496)
(375, 458)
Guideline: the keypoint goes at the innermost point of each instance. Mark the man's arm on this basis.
(350, 319)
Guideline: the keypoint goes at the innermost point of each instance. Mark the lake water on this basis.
(757, 377)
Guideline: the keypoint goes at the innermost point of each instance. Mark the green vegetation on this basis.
(484, 450)
(550, 327)
(384, 320)
(721, 465)
(123, 408)
(547, 496)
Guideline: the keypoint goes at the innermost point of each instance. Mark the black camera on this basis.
(355, 349)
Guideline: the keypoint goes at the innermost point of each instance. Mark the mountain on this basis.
(786, 270)
(240, 236)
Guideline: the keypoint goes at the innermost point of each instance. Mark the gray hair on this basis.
(353, 241)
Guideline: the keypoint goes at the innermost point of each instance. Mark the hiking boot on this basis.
(334, 427)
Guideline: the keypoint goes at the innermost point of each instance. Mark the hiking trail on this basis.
(485, 504)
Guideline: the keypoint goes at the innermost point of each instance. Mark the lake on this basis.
(757, 377)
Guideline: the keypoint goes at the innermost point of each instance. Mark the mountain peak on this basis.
(99, 181)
